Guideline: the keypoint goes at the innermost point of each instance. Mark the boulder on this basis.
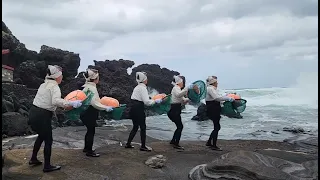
(201, 113)
(15, 124)
(157, 161)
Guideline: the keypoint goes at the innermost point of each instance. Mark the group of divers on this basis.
(48, 98)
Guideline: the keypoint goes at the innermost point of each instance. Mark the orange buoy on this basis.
(75, 95)
(234, 96)
(109, 101)
(159, 96)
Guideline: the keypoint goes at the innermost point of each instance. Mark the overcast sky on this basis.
(246, 43)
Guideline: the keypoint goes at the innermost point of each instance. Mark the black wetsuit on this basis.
(138, 117)
(174, 115)
(213, 113)
(89, 119)
(40, 122)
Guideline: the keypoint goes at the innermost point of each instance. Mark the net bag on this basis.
(233, 109)
(163, 107)
(118, 111)
(193, 96)
(74, 114)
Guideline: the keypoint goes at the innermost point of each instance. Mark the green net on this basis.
(193, 96)
(240, 105)
(74, 114)
(163, 107)
(233, 109)
(118, 111)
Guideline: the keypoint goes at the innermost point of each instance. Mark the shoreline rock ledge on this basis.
(248, 165)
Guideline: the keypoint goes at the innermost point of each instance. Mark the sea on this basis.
(269, 112)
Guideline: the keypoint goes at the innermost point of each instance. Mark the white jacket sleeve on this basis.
(145, 97)
(177, 92)
(216, 96)
(56, 97)
(95, 102)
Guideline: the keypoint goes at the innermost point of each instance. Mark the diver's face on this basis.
(59, 79)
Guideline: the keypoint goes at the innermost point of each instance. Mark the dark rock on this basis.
(294, 130)
(15, 124)
(305, 143)
(18, 51)
(7, 106)
(158, 78)
(69, 61)
(245, 165)
(29, 74)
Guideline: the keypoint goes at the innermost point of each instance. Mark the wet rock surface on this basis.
(245, 165)
(116, 162)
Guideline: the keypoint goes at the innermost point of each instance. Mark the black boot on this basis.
(51, 168)
(145, 149)
(85, 150)
(128, 146)
(209, 144)
(177, 146)
(216, 148)
(92, 154)
(35, 162)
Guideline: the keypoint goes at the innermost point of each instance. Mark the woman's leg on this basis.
(215, 132)
(37, 145)
(48, 140)
(89, 138)
(177, 133)
(132, 133)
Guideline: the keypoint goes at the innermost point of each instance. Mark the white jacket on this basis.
(95, 101)
(49, 96)
(177, 95)
(140, 93)
(213, 94)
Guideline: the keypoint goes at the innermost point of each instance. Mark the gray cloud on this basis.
(245, 34)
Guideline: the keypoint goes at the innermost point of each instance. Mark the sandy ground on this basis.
(118, 163)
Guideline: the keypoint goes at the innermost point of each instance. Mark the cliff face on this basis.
(30, 69)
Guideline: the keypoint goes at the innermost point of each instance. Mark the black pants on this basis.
(138, 117)
(174, 115)
(89, 119)
(213, 113)
(40, 122)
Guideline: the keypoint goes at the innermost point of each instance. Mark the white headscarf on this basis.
(176, 80)
(141, 77)
(55, 71)
(211, 80)
(92, 74)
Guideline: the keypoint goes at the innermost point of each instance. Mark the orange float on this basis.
(234, 96)
(109, 101)
(75, 95)
(159, 96)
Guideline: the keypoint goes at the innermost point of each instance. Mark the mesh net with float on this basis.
(163, 107)
(74, 114)
(194, 96)
(233, 109)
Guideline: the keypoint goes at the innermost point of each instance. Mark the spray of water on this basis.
(303, 93)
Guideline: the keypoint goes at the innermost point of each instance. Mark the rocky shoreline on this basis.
(30, 69)
(295, 158)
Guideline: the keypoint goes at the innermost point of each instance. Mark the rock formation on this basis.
(245, 165)
(30, 70)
